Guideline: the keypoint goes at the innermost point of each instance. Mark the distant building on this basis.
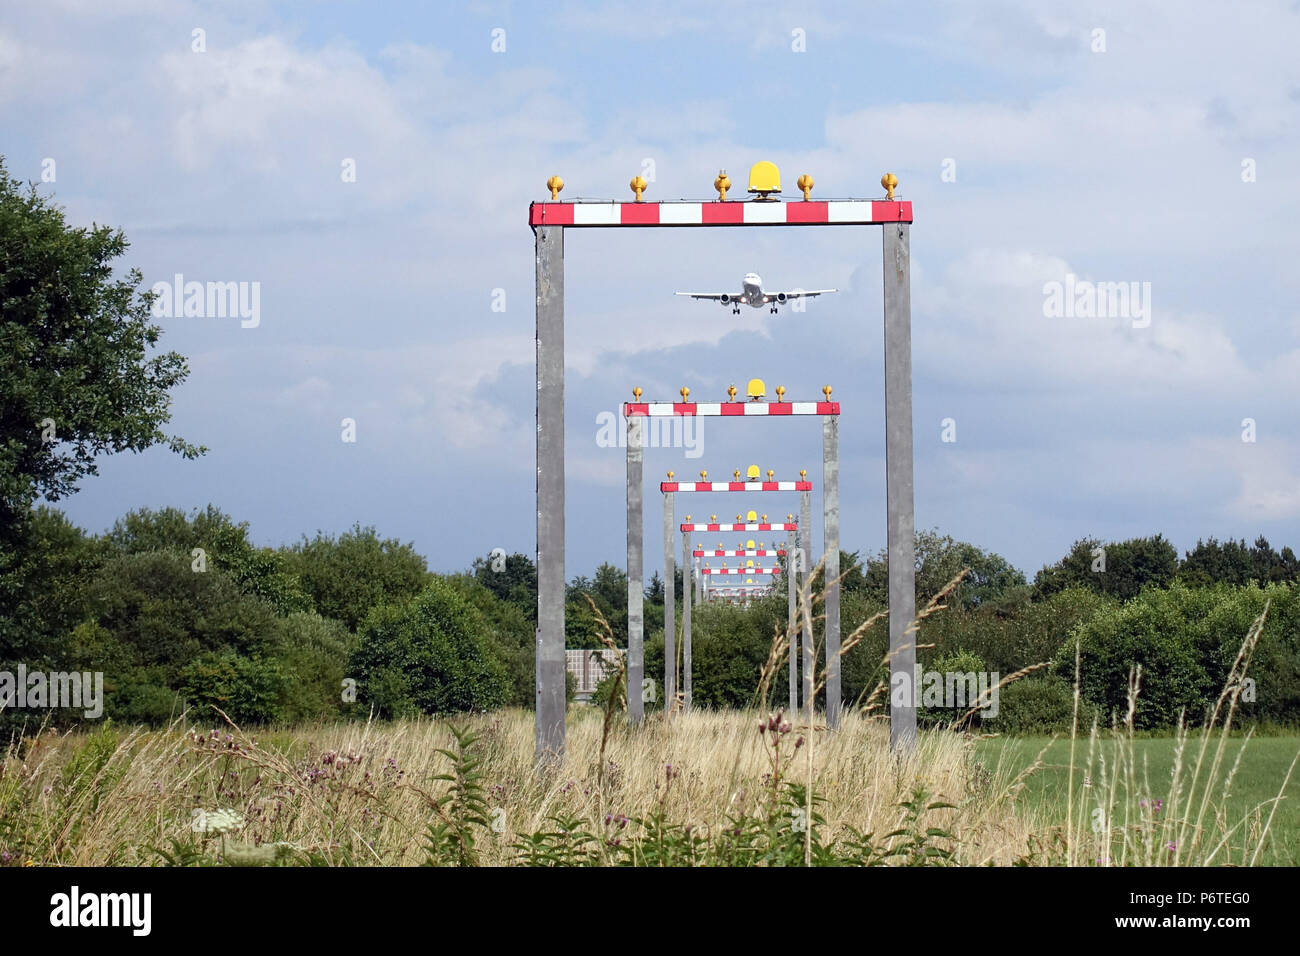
(588, 667)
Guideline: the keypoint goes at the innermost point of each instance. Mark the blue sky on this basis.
(1116, 165)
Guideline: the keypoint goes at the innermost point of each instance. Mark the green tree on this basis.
(939, 558)
(44, 591)
(77, 377)
(1122, 569)
(348, 576)
(428, 655)
(261, 572)
(512, 578)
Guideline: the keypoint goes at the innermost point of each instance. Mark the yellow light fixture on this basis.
(636, 393)
(722, 184)
(890, 182)
(751, 516)
(756, 389)
(731, 393)
(685, 393)
(770, 473)
(764, 179)
(638, 186)
(780, 393)
(555, 184)
(752, 473)
(805, 184)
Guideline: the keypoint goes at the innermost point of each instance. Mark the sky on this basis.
(1151, 144)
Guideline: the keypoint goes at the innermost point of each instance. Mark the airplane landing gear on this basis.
(774, 310)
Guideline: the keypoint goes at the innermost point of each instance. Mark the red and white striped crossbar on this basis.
(841, 212)
(741, 527)
(725, 409)
(666, 486)
(751, 553)
(707, 570)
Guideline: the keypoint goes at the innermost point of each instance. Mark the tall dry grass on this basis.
(360, 793)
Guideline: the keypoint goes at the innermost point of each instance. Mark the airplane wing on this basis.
(800, 294)
(715, 296)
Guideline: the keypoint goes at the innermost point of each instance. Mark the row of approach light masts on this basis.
(755, 391)
(722, 183)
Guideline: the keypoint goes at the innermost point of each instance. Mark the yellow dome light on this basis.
(755, 389)
(752, 473)
(751, 516)
(749, 545)
(722, 184)
(764, 179)
(749, 563)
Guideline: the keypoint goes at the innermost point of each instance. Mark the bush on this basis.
(346, 577)
(1159, 630)
(429, 655)
(247, 689)
(314, 652)
(511, 633)
(1037, 706)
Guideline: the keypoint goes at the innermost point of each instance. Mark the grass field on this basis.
(1257, 768)
(707, 789)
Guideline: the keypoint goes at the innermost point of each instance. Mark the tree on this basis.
(1119, 570)
(261, 572)
(76, 376)
(515, 581)
(939, 559)
(429, 655)
(352, 574)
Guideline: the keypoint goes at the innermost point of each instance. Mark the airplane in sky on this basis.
(752, 294)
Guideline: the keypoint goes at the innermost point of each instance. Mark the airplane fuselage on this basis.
(753, 286)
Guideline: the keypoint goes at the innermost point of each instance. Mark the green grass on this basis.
(1257, 781)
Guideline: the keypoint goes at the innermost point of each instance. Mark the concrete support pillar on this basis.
(635, 572)
(791, 624)
(809, 644)
(549, 669)
(687, 575)
(900, 539)
(831, 539)
(670, 610)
